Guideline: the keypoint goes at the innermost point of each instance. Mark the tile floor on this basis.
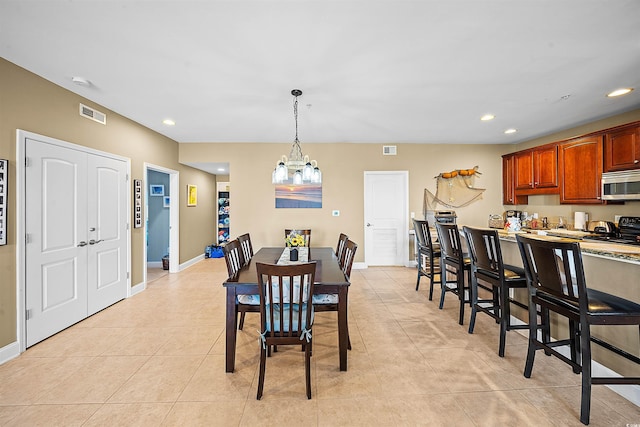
(158, 359)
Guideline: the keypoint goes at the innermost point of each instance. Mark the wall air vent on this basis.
(389, 150)
(92, 114)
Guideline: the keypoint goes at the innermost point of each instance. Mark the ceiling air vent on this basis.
(92, 114)
(389, 150)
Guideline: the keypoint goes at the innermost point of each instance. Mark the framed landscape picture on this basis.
(156, 190)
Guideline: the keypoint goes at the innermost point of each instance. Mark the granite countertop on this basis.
(614, 251)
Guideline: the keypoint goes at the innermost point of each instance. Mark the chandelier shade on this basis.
(297, 168)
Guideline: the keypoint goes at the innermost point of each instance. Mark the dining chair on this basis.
(453, 261)
(342, 240)
(246, 246)
(234, 258)
(286, 312)
(556, 282)
(428, 254)
(305, 233)
(489, 273)
(329, 302)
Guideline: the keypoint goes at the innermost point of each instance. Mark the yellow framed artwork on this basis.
(192, 195)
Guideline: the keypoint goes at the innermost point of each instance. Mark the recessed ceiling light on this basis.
(169, 122)
(80, 81)
(620, 92)
(512, 130)
(220, 169)
(487, 117)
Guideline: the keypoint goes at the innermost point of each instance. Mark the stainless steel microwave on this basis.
(624, 185)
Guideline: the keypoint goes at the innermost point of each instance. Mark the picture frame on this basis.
(192, 195)
(4, 173)
(137, 207)
(166, 201)
(156, 190)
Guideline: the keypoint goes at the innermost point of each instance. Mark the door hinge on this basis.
(27, 162)
(127, 274)
(126, 177)
(27, 238)
(29, 313)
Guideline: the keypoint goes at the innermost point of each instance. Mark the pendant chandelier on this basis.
(297, 168)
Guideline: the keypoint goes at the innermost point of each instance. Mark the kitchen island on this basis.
(609, 267)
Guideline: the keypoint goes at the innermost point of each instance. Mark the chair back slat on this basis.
(484, 250)
(233, 257)
(342, 241)
(450, 243)
(554, 268)
(247, 248)
(349, 254)
(285, 298)
(421, 228)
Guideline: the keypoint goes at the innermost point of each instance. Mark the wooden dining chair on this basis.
(329, 302)
(342, 241)
(556, 282)
(305, 233)
(454, 261)
(286, 312)
(234, 257)
(428, 254)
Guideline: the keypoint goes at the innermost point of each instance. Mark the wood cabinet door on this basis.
(523, 170)
(545, 167)
(581, 171)
(508, 187)
(622, 149)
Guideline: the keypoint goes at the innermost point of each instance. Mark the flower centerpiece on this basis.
(293, 241)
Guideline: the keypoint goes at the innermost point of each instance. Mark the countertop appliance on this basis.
(624, 185)
(445, 217)
(628, 232)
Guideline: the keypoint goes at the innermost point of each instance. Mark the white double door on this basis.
(76, 229)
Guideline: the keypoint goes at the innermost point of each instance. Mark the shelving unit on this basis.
(223, 213)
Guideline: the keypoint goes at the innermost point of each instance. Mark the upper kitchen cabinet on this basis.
(580, 163)
(622, 149)
(536, 170)
(508, 182)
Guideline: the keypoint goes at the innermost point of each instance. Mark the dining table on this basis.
(329, 279)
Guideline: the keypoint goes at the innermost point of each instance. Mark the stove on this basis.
(628, 232)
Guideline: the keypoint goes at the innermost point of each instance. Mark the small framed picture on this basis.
(192, 195)
(156, 190)
(137, 191)
(166, 200)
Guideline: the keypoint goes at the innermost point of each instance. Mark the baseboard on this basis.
(154, 264)
(359, 266)
(9, 351)
(629, 392)
(136, 289)
(191, 262)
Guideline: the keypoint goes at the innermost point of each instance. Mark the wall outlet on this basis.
(335, 213)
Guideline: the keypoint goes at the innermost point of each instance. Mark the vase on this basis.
(293, 254)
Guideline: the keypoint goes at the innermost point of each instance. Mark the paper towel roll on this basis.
(580, 220)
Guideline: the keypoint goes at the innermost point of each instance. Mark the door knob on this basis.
(82, 244)
(93, 242)
(368, 225)
(92, 229)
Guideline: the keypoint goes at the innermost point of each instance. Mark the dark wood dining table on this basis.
(329, 279)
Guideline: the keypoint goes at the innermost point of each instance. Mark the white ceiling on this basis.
(371, 71)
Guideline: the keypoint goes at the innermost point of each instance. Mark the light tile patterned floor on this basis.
(158, 359)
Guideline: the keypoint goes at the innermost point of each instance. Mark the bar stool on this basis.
(453, 261)
(556, 282)
(490, 273)
(427, 250)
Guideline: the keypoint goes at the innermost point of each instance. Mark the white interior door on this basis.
(76, 256)
(56, 224)
(386, 224)
(107, 228)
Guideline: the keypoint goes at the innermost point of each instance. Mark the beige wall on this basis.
(343, 166)
(31, 103)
